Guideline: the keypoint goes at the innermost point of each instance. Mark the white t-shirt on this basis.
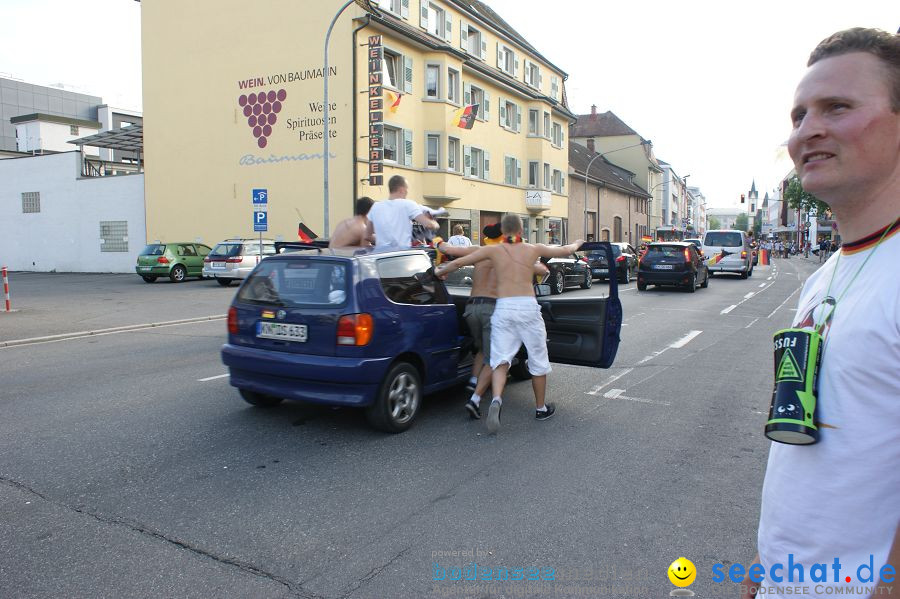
(391, 221)
(460, 241)
(840, 497)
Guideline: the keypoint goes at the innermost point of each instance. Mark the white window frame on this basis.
(453, 157)
(436, 139)
(436, 69)
(554, 87)
(532, 74)
(512, 171)
(404, 150)
(557, 136)
(484, 103)
(473, 44)
(507, 61)
(476, 163)
(534, 168)
(453, 92)
(558, 182)
(547, 175)
(510, 115)
(536, 130)
(397, 7)
(403, 71)
(546, 131)
(398, 143)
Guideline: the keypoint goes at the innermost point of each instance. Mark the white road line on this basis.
(685, 340)
(769, 279)
(783, 303)
(728, 309)
(751, 323)
(609, 381)
(212, 378)
(749, 295)
(613, 393)
(746, 297)
(762, 284)
(617, 394)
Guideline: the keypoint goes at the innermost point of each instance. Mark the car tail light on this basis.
(235, 260)
(206, 260)
(743, 254)
(232, 321)
(162, 260)
(620, 259)
(687, 255)
(354, 329)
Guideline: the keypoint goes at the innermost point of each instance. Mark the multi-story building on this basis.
(674, 198)
(697, 211)
(247, 112)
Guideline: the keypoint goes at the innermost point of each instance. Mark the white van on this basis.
(728, 250)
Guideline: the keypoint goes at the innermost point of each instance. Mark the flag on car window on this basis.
(393, 100)
(464, 118)
(718, 257)
(305, 233)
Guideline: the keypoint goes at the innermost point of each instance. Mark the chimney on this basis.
(593, 112)
(590, 145)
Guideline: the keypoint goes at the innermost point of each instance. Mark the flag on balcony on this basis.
(305, 233)
(464, 118)
(393, 100)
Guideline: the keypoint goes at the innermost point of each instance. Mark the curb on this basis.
(122, 329)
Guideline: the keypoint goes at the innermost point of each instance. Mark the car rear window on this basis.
(154, 249)
(672, 251)
(725, 239)
(410, 280)
(227, 250)
(297, 283)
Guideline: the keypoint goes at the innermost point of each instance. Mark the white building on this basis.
(37, 133)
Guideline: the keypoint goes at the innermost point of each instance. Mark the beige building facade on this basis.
(233, 102)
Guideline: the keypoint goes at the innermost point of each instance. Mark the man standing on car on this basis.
(389, 220)
(517, 317)
(354, 231)
(837, 499)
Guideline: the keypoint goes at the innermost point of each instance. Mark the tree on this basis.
(741, 222)
(806, 202)
(714, 223)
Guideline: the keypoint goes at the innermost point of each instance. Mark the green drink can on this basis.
(792, 415)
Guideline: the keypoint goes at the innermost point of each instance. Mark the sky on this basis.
(709, 82)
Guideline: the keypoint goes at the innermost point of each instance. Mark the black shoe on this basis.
(470, 386)
(539, 415)
(473, 410)
(493, 419)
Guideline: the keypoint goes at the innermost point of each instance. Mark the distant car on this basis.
(698, 243)
(675, 263)
(174, 260)
(626, 259)
(234, 259)
(376, 330)
(568, 271)
(728, 250)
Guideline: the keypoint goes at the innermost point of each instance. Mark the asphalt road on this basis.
(130, 468)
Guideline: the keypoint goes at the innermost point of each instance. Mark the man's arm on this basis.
(480, 254)
(456, 250)
(557, 252)
(426, 221)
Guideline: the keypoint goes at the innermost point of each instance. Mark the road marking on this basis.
(617, 394)
(749, 295)
(746, 297)
(784, 302)
(613, 393)
(212, 378)
(751, 323)
(769, 279)
(728, 309)
(685, 340)
(762, 284)
(609, 381)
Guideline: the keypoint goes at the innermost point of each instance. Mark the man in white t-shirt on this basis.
(839, 499)
(390, 219)
(459, 238)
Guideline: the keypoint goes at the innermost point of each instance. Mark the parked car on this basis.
(673, 263)
(697, 243)
(174, 260)
(377, 330)
(728, 250)
(626, 260)
(234, 259)
(567, 272)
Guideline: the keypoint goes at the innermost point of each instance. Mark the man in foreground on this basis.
(517, 317)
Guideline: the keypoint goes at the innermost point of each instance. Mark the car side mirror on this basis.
(541, 290)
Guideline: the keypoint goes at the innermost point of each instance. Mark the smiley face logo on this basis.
(682, 572)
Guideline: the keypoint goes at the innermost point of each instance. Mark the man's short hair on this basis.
(396, 182)
(511, 224)
(458, 230)
(880, 44)
(363, 205)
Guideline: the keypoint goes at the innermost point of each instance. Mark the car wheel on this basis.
(744, 274)
(258, 399)
(693, 284)
(398, 400)
(588, 280)
(559, 283)
(642, 286)
(224, 282)
(148, 278)
(705, 283)
(519, 370)
(177, 274)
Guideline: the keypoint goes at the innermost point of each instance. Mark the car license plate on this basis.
(601, 271)
(662, 266)
(284, 332)
(217, 264)
(144, 267)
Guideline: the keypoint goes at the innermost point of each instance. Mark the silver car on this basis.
(234, 259)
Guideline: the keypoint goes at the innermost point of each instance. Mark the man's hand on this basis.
(443, 270)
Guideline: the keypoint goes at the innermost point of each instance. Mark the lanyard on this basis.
(821, 326)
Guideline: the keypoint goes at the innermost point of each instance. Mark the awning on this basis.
(130, 138)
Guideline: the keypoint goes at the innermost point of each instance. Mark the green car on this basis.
(173, 260)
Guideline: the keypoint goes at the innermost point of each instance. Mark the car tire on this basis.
(627, 276)
(519, 370)
(223, 282)
(148, 278)
(259, 399)
(693, 285)
(177, 274)
(642, 286)
(559, 282)
(705, 283)
(588, 280)
(744, 274)
(398, 401)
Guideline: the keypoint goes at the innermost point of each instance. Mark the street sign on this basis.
(260, 220)
(260, 196)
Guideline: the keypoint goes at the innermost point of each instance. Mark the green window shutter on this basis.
(407, 74)
(407, 147)
(487, 165)
(404, 9)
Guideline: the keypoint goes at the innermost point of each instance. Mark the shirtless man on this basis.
(517, 316)
(354, 231)
(479, 309)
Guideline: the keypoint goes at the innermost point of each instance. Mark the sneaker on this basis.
(493, 419)
(473, 410)
(539, 415)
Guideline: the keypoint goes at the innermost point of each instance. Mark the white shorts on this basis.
(517, 321)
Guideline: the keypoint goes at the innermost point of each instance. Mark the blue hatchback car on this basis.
(377, 330)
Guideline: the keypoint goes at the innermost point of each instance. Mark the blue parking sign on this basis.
(260, 196)
(260, 221)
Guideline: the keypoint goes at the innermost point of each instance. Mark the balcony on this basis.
(538, 201)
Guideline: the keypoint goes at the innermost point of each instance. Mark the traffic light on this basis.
(742, 198)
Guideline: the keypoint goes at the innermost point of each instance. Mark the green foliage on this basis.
(741, 222)
(806, 202)
(714, 222)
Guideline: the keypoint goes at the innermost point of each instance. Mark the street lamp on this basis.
(644, 142)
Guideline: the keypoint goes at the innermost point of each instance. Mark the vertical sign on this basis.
(260, 212)
(376, 112)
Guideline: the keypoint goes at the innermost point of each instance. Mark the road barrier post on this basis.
(6, 290)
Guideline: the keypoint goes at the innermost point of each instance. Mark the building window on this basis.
(453, 86)
(471, 41)
(398, 7)
(391, 143)
(453, 154)
(432, 77)
(434, 19)
(557, 135)
(113, 235)
(73, 129)
(510, 116)
(506, 59)
(557, 181)
(547, 125)
(473, 94)
(617, 228)
(31, 202)
(554, 87)
(392, 66)
(546, 176)
(432, 150)
(532, 74)
(534, 174)
(477, 162)
(512, 171)
(533, 119)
